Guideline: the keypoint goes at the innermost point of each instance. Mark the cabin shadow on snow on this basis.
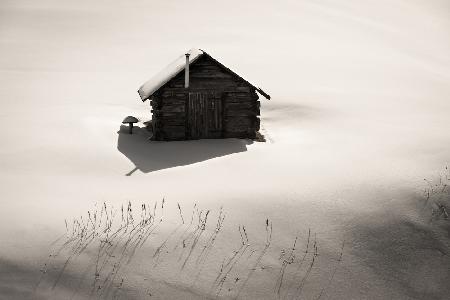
(149, 156)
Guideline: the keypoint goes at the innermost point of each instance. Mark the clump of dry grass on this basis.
(259, 257)
(228, 265)
(116, 240)
(437, 195)
(287, 258)
(113, 237)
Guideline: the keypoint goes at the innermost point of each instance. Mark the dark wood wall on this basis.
(240, 107)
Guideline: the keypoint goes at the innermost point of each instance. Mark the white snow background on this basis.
(359, 117)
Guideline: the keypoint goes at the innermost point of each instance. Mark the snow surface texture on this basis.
(359, 118)
(178, 65)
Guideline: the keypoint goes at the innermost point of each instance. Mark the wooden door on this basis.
(204, 115)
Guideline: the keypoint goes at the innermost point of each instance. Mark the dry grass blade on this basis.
(259, 258)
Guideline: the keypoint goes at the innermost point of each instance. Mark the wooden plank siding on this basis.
(176, 110)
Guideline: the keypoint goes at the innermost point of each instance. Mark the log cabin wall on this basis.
(240, 107)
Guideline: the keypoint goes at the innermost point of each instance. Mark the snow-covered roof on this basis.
(178, 65)
(157, 81)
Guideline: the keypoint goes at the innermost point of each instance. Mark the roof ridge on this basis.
(176, 67)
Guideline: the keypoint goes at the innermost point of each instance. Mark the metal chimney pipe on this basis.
(186, 72)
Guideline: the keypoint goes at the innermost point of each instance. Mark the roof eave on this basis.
(143, 99)
(265, 95)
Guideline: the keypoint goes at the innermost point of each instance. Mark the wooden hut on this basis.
(196, 97)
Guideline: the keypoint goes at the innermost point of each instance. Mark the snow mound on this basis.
(178, 65)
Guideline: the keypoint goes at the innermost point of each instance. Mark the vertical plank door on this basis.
(204, 115)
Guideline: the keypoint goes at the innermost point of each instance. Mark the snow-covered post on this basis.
(186, 72)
